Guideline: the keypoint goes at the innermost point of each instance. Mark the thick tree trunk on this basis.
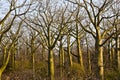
(68, 50)
(0, 75)
(61, 54)
(100, 63)
(99, 52)
(61, 59)
(109, 51)
(118, 53)
(51, 64)
(119, 61)
(89, 57)
(113, 56)
(80, 58)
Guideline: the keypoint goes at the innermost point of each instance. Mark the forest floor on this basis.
(69, 73)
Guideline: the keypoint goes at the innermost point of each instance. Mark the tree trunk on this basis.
(99, 52)
(118, 53)
(68, 50)
(5, 63)
(112, 56)
(109, 51)
(89, 57)
(80, 58)
(4, 54)
(13, 56)
(61, 54)
(61, 59)
(33, 65)
(33, 57)
(13, 60)
(0, 75)
(51, 64)
(100, 63)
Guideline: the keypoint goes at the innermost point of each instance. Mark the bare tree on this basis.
(96, 15)
(50, 22)
(13, 13)
(9, 48)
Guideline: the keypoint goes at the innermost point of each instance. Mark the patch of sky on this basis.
(4, 7)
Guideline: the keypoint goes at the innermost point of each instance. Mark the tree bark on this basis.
(88, 57)
(68, 49)
(110, 50)
(99, 52)
(13, 56)
(80, 58)
(0, 75)
(5, 63)
(33, 56)
(100, 63)
(33, 65)
(4, 54)
(118, 53)
(61, 58)
(50, 64)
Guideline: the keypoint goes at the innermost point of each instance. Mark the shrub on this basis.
(75, 72)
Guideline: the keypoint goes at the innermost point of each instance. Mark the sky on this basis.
(4, 7)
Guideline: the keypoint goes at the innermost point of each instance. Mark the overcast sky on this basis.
(4, 7)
